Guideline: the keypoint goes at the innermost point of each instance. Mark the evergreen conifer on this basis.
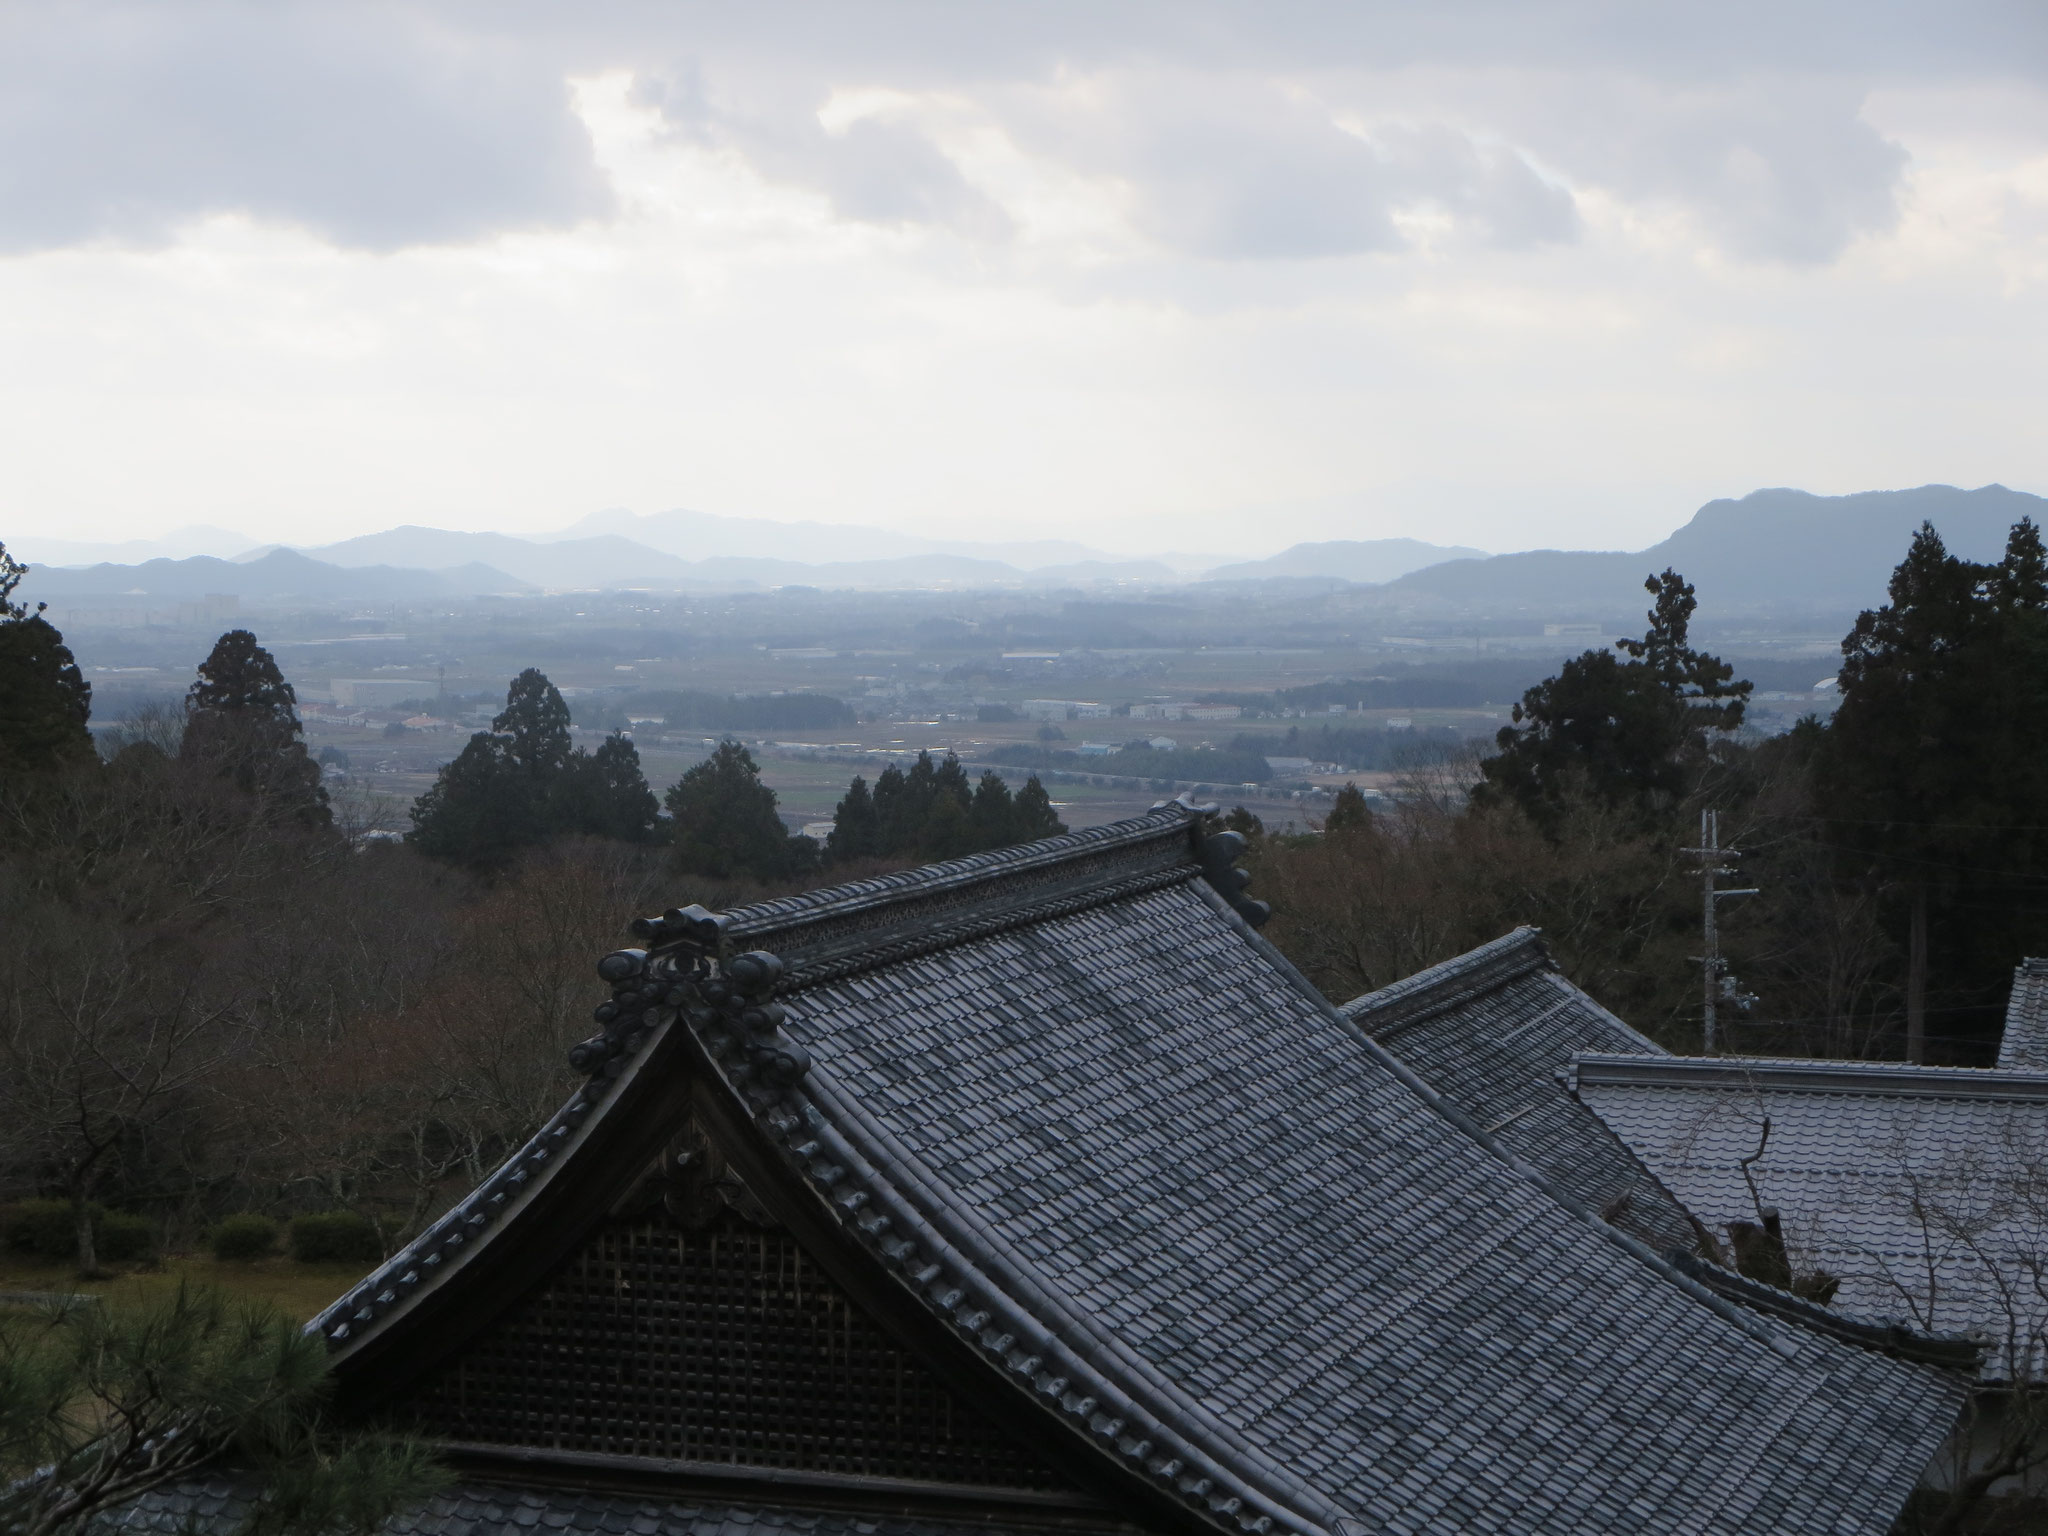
(724, 821)
(1035, 816)
(480, 809)
(44, 700)
(1934, 770)
(1348, 811)
(1631, 733)
(605, 794)
(854, 829)
(521, 784)
(242, 722)
(930, 812)
(536, 721)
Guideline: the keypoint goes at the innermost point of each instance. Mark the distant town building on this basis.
(1064, 709)
(1156, 711)
(1212, 712)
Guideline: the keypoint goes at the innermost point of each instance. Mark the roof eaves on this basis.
(527, 1193)
(1862, 1079)
(1950, 1351)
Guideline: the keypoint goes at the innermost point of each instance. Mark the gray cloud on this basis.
(1238, 169)
(878, 170)
(383, 125)
(1774, 168)
(373, 126)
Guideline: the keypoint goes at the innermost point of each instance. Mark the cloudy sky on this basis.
(1155, 276)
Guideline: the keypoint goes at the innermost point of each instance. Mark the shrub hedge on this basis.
(248, 1236)
(45, 1229)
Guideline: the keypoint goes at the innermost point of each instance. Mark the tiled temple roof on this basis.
(1108, 1152)
(1493, 1031)
(2024, 1046)
(1920, 1188)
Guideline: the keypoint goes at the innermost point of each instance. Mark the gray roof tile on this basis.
(2025, 1042)
(1919, 1187)
(1242, 1248)
(1528, 1359)
(1493, 1031)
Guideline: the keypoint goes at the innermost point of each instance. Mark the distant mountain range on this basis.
(1356, 560)
(612, 560)
(1782, 550)
(1778, 550)
(281, 575)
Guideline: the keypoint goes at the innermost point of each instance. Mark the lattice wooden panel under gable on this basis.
(722, 1343)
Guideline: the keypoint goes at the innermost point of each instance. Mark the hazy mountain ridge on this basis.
(700, 536)
(282, 573)
(1365, 561)
(1778, 548)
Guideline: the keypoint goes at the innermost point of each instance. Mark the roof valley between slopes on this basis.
(1493, 1031)
(1400, 1014)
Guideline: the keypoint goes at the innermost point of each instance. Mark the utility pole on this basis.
(1716, 984)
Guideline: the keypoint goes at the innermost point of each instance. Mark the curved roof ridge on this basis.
(1785, 1074)
(1450, 982)
(781, 913)
(1954, 1351)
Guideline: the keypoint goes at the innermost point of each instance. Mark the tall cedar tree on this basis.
(1349, 811)
(44, 700)
(605, 793)
(535, 723)
(931, 812)
(724, 823)
(1934, 772)
(521, 784)
(1632, 733)
(242, 721)
(855, 830)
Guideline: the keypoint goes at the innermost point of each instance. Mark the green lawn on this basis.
(298, 1290)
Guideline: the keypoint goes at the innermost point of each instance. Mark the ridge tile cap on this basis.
(1493, 964)
(759, 918)
(1775, 1074)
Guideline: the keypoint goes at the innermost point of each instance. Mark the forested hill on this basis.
(1778, 549)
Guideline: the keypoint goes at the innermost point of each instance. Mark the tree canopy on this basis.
(724, 824)
(1934, 771)
(932, 811)
(1630, 733)
(44, 700)
(521, 784)
(242, 721)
